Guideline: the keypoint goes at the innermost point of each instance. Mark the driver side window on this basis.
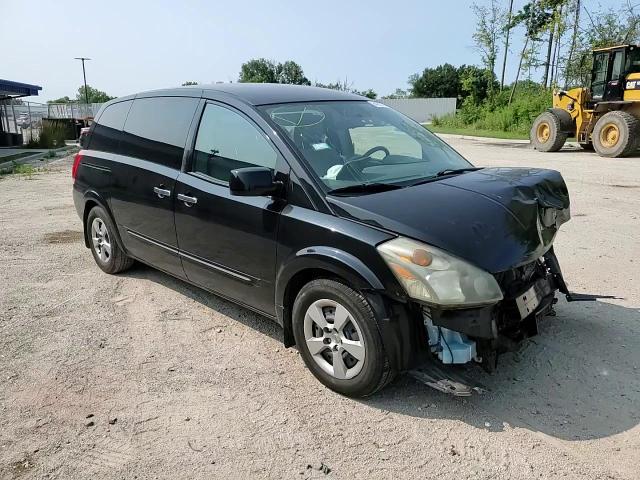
(226, 140)
(396, 141)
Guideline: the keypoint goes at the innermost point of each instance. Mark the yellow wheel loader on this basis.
(605, 117)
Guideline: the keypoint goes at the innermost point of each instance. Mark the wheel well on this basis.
(299, 280)
(89, 204)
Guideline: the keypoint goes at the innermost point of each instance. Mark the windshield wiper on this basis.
(364, 188)
(455, 171)
(443, 173)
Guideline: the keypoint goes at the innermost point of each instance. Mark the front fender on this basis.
(398, 321)
(333, 260)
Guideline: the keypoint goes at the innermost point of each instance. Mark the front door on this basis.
(228, 243)
(600, 74)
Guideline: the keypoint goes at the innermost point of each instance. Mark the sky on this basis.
(138, 45)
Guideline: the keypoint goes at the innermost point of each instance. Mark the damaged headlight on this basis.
(433, 276)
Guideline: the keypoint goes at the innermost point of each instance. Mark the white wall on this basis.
(421, 109)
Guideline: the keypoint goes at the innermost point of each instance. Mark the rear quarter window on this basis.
(156, 129)
(108, 128)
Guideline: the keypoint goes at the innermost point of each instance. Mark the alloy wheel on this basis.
(334, 339)
(101, 240)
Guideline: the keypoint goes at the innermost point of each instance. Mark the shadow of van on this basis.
(578, 380)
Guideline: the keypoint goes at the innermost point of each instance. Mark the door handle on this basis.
(161, 192)
(188, 201)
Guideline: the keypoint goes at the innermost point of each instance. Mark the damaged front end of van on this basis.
(476, 254)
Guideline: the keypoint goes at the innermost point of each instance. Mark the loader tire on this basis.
(547, 133)
(616, 134)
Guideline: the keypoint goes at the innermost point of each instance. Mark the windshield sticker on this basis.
(333, 172)
(320, 146)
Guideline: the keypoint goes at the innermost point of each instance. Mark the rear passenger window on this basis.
(226, 140)
(108, 128)
(156, 129)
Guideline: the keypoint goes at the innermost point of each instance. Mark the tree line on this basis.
(261, 70)
(93, 94)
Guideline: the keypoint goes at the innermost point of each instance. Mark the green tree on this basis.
(370, 93)
(258, 70)
(476, 85)
(398, 93)
(261, 70)
(95, 95)
(64, 99)
(189, 82)
(439, 82)
(602, 28)
(467, 83)
(490, 28)
(290, 72)
(343, 86)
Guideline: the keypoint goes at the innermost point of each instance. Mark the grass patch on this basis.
(475, 132)
(24, 169)
(495, 116)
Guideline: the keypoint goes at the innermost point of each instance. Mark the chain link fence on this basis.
(22, 117)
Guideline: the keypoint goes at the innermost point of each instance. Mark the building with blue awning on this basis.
(10, 90)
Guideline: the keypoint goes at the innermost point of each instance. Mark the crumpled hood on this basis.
(496, 218)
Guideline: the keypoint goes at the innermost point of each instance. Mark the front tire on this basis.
(337, 335)
(103, 244)
(547, 134)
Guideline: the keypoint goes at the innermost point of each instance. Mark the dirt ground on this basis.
(144, 376)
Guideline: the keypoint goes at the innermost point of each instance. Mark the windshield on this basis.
(358, 142)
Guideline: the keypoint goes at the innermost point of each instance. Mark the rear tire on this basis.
(103, 244)
(330, 323)
(616, 134)
(547, 134)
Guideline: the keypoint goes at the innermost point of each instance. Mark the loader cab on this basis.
(610, 69)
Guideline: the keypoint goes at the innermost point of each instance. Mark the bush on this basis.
(45, 140)
(52, 135)
(495, 113)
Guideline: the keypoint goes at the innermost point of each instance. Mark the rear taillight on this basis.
(76, 164)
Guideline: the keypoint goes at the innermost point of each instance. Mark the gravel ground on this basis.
(144, 376)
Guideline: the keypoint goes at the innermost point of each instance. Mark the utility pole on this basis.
(506, 44)
(529, 34)
(84, 75)
(576, 25)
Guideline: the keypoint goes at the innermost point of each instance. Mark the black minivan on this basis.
(373, 243)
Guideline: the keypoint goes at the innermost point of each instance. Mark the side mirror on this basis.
(253, 182)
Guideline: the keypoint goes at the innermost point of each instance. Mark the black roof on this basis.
(258, 93)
